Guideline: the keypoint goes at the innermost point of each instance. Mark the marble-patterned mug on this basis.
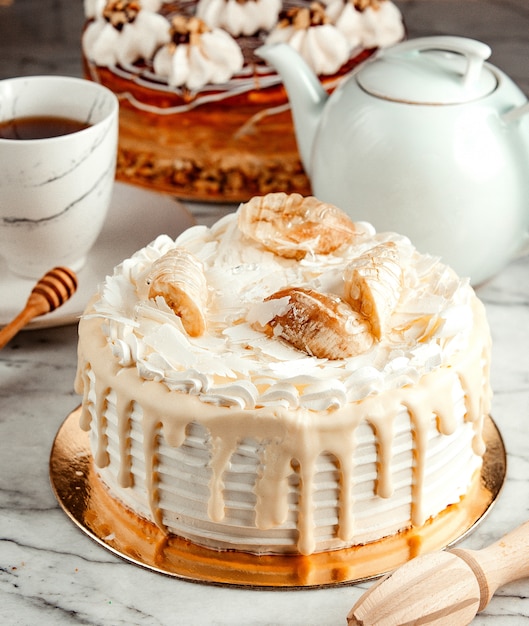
(54, 191)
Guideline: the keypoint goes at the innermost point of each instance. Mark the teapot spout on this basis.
(306, 95)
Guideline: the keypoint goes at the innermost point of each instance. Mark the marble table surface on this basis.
(50, 572)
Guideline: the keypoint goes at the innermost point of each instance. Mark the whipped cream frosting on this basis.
(263, 483)
(94, 8)
(431, 321)
(375, 26)
(323, 47)
(211, 58)
(326, 46)
(139, 39)
(236, 439)
(239, 17)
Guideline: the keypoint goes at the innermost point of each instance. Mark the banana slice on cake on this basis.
(322, 325)
(178, 276)
(373, 284)
(293, 225)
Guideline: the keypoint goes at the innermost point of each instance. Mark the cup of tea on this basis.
(58, 147)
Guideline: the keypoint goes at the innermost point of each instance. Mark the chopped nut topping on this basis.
(362, 5)
(121, 12)
(186, 175)
(186, 30)
(302, 18)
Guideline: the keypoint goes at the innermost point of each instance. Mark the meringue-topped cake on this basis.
(201, 115)
(284, 382)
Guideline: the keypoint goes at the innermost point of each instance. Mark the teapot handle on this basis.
(476, 52)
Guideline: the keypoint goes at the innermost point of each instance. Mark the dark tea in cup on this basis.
(39, 127)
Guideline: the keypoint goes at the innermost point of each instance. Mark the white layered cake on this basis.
(285, 381)
(201, 115)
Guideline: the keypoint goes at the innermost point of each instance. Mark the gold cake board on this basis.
(88, 504)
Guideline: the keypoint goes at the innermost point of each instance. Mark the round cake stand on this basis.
(88, 504)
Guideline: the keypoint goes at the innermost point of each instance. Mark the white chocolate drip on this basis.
(287, 438)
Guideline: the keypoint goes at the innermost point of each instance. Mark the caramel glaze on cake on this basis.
(223, 142)
(333, 393)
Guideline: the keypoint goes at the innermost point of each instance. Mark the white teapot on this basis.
(426, 139)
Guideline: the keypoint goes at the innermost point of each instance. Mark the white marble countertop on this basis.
(51, 573)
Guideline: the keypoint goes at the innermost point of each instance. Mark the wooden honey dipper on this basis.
(444, 587)
(51, 291)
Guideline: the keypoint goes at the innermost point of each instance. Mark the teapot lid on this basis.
(430, 70)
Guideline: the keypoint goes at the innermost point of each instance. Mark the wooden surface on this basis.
(445, 587)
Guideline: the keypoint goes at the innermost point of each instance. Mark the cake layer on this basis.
(223, 494)
(229, 143)
(224, 150)
(235, 438)
(202, 116)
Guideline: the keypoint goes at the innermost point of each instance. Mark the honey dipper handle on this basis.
(51, 291)
(505, 561)
(9, 331)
